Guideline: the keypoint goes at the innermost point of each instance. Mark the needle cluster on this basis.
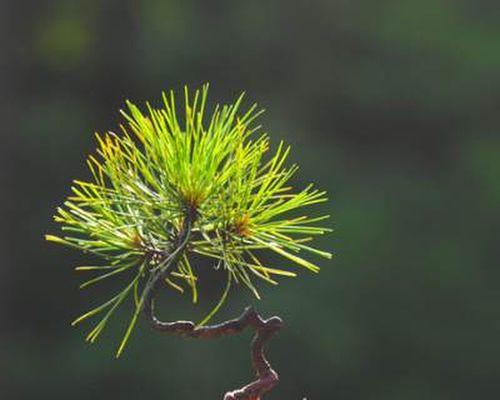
(170, 167)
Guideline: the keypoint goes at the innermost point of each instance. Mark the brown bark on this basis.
(267, 378)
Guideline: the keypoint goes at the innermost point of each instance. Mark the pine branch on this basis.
(267, 378)
(179, 183)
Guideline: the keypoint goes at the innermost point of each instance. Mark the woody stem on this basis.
(267, 378)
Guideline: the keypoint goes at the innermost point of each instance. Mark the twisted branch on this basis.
(267, 378)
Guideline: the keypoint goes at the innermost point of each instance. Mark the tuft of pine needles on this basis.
(172, 163)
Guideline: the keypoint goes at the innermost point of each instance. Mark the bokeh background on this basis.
(392, 106)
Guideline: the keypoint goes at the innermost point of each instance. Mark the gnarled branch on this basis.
(267, 378)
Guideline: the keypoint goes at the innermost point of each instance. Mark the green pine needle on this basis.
(165, 164)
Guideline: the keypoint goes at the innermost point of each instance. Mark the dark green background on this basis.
(392, 106)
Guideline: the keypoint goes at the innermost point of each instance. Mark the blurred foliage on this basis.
(391, 105)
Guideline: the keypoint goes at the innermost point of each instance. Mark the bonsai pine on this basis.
(172, 187)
